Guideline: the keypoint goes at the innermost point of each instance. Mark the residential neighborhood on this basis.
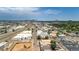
(34, 36)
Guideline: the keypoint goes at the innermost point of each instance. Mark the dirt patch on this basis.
(23, 46)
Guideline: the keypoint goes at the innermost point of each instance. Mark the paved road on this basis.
(10, 35)
(34, 38)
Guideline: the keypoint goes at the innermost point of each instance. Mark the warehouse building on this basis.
(25, 35)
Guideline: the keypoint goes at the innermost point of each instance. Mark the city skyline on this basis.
(39, 13)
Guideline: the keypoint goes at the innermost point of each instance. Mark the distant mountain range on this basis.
(34, 21)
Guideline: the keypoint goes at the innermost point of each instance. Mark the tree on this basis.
(5, 31)
(39, 37)
(28, 29)
(13, 30)
(53, 45)
(46, 37)
(49, 31)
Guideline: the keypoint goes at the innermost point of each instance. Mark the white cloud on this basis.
(4, 10)
(54, 12)
(18, 10)
(21, 9)
(31, 11)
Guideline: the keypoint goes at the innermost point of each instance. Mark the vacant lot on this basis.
(23, 46)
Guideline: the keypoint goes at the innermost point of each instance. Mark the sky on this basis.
(39, 13)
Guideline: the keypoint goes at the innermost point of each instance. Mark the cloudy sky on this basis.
(41, 13)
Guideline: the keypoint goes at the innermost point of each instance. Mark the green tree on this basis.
(5, 31)
(39, 37)
(53, 45)
(46, 37)
(13, 30)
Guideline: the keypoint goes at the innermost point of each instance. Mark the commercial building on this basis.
(53, 34)
(42, 34)
(23, 35)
